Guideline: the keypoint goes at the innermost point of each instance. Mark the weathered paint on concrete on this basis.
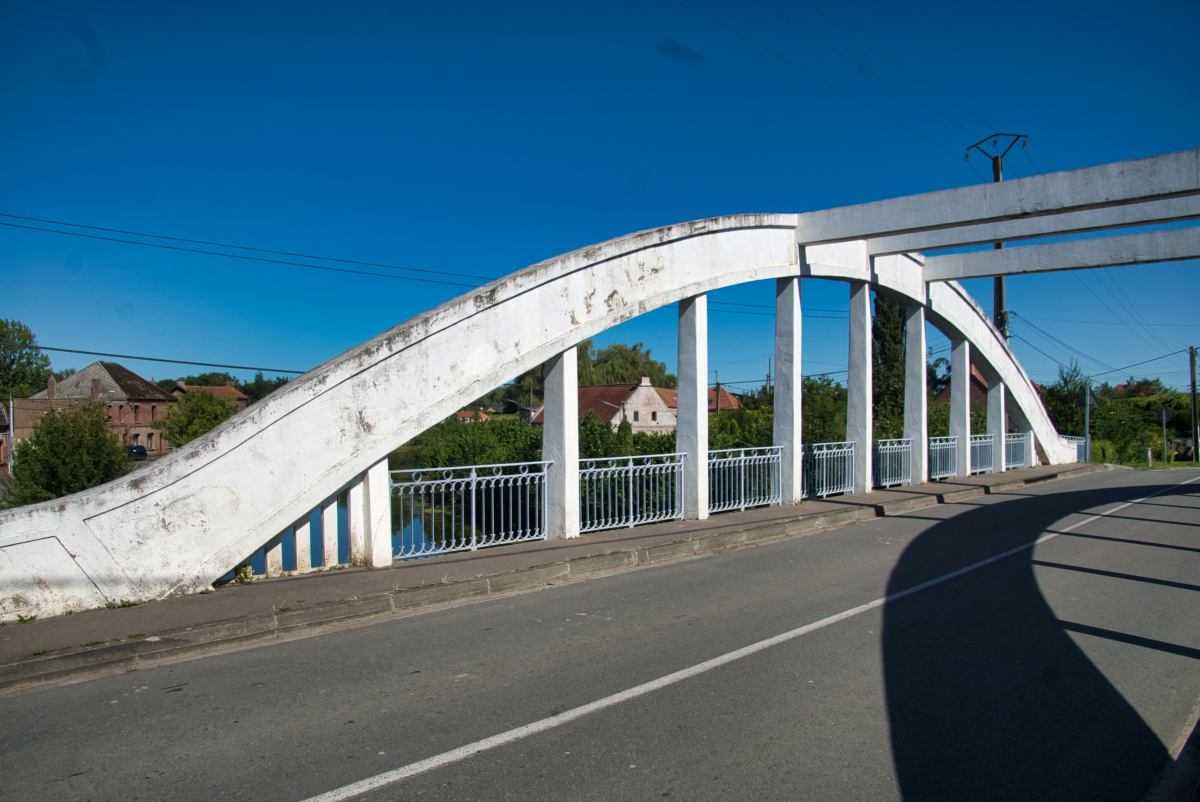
(691, 436)
(787, 432)
(916, 392)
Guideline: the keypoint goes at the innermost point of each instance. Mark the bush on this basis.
(196, 414)
(69, 451)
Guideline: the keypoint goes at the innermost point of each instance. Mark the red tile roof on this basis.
(603, 399)
(728, 399)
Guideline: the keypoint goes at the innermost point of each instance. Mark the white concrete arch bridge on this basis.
(183, 522)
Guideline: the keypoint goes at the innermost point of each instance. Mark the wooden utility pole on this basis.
(999, 294)
(1195, 431)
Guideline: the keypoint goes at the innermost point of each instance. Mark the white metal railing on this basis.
(743, 477)
(1015, 451)
(981, 453)
(827, 468)
(943, 457)
(1080, 447)
(893, 462)
(468, 507)
(627, 491)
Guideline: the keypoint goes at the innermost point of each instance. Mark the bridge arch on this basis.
(179, 524)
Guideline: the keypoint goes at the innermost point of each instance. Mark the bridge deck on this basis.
(234, 610)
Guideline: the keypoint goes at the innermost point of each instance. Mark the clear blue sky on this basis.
(479, 138)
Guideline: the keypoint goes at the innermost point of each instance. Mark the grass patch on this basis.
(285, 608)
(136, 635)
(121, 603)
(93, 643)
(24, 619)
(37, 652)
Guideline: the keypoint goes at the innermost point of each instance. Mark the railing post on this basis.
(788, 434)
(629, 493)
(560, 445)
(997, 423)
(692, 418)
(859, 423)
(916, 394)
(472, 510)
(960, 402)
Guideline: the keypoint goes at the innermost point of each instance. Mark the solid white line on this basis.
(464, 752)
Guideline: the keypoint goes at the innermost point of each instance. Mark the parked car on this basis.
(137, 453)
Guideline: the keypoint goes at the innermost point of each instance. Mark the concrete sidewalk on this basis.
(140, 636)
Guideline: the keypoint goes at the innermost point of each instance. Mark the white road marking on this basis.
(504, 738)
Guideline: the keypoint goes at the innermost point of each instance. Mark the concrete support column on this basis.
(375, 513)
(691, 436)
(916, 393)
(329, 532)
(560, 444)
(997, 423)
(788, 434)
(358, 506)
(859, 421)
(303, 545)
(273, 552)
(960, 402)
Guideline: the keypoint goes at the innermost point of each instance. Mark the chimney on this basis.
(179, 385)
(645, 381)
(51, 388)
(95, 388)
(229, 384)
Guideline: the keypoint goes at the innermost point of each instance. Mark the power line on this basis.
(1127, 303)
(896, 63)
(154, 359)
(240, 247)
(1114, 322)
(240, 256)
(1070, 349)
(813, 75)
(863, 67)
(1136, 333)
(1135, 364)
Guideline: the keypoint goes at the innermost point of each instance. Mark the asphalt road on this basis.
(1064, 671)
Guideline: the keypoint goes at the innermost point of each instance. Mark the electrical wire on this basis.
(1114, 322)
(816, 77)
(154, 359)
(894, 62)
(862, 66)
(239, 247)
(1135, 364)
(241, 256)
(1126, 302)
(1136, 333)
(1067, 348)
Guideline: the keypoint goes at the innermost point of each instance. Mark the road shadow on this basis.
(1000, 704)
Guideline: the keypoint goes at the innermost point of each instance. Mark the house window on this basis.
(136, 438)
(121, 414)
(150, 437)
(136, 412)
(654, 415)
(635, 416)
(153, 411)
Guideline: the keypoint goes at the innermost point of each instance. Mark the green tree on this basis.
(24, 369)
(887, 367)
(69, 451)
(823, 410)
(260, 388)
(620, 363)
(195, 413)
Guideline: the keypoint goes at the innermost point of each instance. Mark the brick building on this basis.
(727, 400)
(133, 403)
(239, 399)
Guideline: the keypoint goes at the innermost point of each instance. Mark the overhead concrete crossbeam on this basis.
(1171, 210)
(1161, 177)
(1131, 249)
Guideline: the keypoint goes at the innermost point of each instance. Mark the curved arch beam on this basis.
(184, 521)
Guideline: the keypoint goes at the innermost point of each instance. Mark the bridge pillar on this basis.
(691, 432)
(960, 402)
(369, 499)
(859, 422)
(560, 444)
(916, 393)
(788, 434)
(329, 531)
(303, 537)
(997, 423)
